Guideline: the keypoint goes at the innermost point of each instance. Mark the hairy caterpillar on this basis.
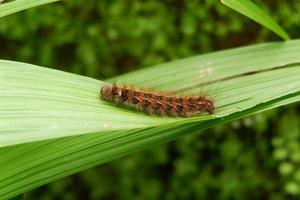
(154, 103)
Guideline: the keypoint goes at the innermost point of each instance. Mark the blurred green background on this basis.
(253, 158)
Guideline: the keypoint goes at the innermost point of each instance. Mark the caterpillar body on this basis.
(155, 103)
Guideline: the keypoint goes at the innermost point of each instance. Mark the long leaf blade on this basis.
(35, 100)
(19, 5)
(249, 9)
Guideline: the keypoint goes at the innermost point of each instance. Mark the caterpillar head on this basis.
(107, 92)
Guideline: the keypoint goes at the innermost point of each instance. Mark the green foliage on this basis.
(103, 48)
(287, 151)
(231, 162)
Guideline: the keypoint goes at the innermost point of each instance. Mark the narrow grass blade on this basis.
(19, 5)
(251, 10)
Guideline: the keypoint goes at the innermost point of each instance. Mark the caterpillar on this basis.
(154, 103)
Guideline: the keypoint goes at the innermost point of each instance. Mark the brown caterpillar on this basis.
(159, 104)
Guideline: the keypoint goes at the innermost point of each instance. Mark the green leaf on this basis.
(249, 9)
(53, 123)
(19, 5)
